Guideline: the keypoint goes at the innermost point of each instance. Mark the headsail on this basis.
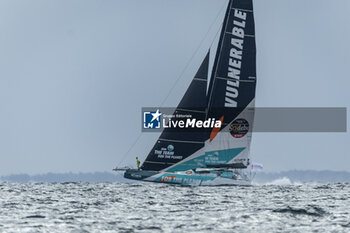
(181, 143)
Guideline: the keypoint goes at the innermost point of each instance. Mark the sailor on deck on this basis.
(138, 163)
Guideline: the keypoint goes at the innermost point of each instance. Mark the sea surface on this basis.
(279, 206)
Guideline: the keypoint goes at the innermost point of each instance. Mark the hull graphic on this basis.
(191, 178)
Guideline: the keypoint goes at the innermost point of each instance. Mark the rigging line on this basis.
(130, 148)
(181, 74)
(216, 35)
(195, 52)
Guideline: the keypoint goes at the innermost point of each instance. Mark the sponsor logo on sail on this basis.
(235, 59)
(167, 153)
(171, 148)
(239, 128)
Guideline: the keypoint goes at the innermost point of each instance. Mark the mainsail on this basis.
(230, 98)
(232, 88)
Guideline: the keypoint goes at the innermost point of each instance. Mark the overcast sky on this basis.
(75, 74)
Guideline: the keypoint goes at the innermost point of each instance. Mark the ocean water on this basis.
(279, 206)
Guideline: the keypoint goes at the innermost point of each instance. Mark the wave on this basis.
(280, 181)
(35, 216)
(310, 210)
(285, 181)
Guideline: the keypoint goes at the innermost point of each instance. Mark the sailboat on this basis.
(219, 156)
